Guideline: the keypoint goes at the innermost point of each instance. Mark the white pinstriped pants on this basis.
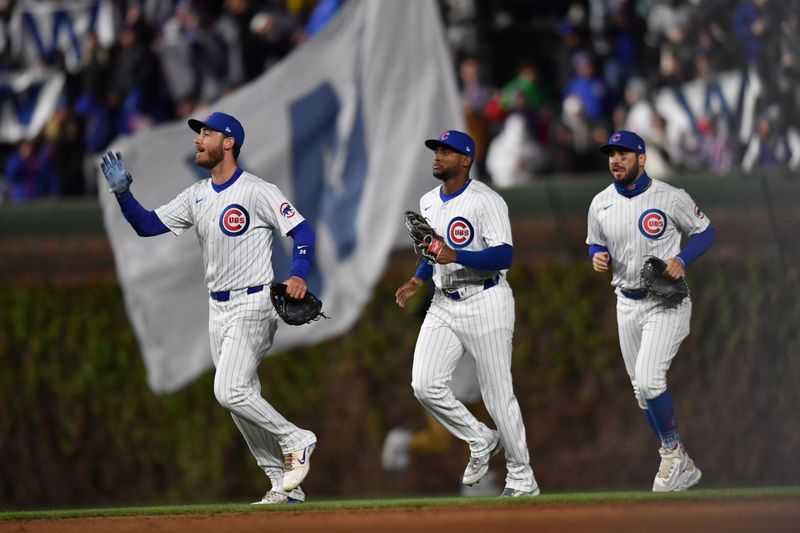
(241, 332)
(481, 326)
(649, 336)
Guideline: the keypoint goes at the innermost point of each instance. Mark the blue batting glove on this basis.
(118, 177)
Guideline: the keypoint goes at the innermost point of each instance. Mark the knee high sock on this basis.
(661, 409)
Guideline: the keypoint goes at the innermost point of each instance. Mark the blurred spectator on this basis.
(474, 99)
(788, 80)
(669, 31)
(134, 91)
(526, 92)
(770, 149)
(589, 88)
(514, 157)
(716, 153)
(63, 138)
(30, 173)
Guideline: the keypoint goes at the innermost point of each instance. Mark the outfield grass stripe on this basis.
(580, 498)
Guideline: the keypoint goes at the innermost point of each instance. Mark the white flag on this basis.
(339, 126)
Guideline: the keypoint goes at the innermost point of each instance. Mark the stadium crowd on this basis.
(712, 85)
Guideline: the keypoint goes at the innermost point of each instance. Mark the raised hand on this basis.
(113, 167)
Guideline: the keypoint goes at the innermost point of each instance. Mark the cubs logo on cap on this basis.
(625, 140)
(228, 125)
(653, 223)
(456, 140)
(234, 220)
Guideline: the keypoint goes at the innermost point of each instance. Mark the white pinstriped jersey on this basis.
(234, 227)
(474, 220)
(647, 224)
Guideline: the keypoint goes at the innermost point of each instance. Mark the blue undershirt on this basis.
(145, 223)
(303, 250)
(492, 258)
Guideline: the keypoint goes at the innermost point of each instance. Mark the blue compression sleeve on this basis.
(424, 271)
(303, 250)
(493, 258)
(146, 223)
(697, 245)
(662, 410)
(594, 248)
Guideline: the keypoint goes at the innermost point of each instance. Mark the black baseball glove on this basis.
(421, 232)
(293, 311)
(671, 291)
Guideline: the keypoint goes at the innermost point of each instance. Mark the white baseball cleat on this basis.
(274, 497)
(677, 471)
(478, 466)
(395, 455)
(514, 493)
(487, 486)
(691, 474)
(295, 466)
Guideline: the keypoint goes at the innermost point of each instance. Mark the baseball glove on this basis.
(421, 232)
(293, 311)
(671, 291)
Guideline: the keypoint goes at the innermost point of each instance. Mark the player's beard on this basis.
(214, 155)
(630, 176)
(444, 174)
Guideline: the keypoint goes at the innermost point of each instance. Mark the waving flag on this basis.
(339, 126)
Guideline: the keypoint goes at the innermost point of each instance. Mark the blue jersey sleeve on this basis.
(146, 223)
(492, 258)
(303, 251)
(697, 245)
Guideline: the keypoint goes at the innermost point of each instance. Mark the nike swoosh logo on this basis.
(301, 246)
(606, 207)
(198, 200)
(426, 208)
(302, 460)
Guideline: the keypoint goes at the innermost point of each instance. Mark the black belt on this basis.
(636, 294)
(456, 294)
(224, 296)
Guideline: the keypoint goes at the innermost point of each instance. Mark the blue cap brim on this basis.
(433, 144)
(606, 149)
(196, 125)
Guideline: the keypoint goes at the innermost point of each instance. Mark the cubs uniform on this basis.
(235, 229)
(472, 312)
(650, 223)
(630, 220)
(234, 214)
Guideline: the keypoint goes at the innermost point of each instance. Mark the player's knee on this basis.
(649, 388)
(229, 397)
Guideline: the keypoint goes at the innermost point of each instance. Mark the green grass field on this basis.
(414, 502)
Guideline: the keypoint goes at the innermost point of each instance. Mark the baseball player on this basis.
(634, 217)
(234, 214)
(472, 312)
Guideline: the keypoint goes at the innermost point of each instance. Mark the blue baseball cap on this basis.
(223, 123)
(626, 140)
(458, 141)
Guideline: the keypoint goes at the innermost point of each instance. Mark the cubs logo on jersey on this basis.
(286, 209)
(653, 223)
(234, 220)
(460, 232)
(698, 213)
